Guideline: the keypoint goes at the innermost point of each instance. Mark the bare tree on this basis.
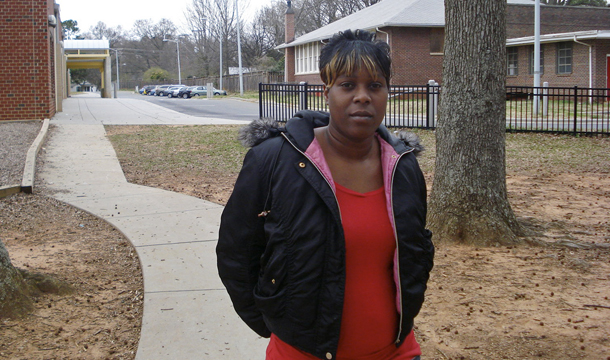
(150, 48)
(101, 31)
(469, 201)
(215, 21)
(264, 33)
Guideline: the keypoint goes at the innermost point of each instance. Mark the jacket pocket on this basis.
(270, 290)
(271, 306)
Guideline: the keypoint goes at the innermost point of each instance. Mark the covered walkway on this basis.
(90, 54)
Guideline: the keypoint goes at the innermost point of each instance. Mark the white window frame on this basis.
(512, 61)
(565, 58)
(307, 57)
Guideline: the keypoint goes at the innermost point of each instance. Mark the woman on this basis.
(322, 244)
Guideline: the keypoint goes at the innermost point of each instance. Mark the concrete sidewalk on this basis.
(187, 312)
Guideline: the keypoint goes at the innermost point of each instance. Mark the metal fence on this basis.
(543, 109)
(558, 109)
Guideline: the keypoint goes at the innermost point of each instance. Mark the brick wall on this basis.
(555, 19)
(289, 53)
(26, 75)
(601, 56)
(308, 78)
(412, 63)
(580, 66)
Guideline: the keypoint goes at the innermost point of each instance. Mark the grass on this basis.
(250, 95)
(172, 148)
(215, 148)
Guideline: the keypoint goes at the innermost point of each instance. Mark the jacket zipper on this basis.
(399, 284)
(393, 217)
(319, 171)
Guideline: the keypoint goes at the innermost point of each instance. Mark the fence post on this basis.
(303, 95)
(431, 101)
(545, 98)
(536, 101)
(209, 90)
(260, 100)
(575, 107)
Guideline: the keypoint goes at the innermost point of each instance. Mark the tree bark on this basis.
(14, 291)
(469, 203)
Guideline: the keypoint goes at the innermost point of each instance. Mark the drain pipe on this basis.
(590, 67)
(387, 36)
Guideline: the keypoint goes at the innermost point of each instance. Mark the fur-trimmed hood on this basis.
(260, 130)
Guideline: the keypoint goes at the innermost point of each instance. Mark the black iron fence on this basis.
(542, 109)
(558, 109)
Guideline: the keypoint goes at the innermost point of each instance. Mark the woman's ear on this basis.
(326, 88)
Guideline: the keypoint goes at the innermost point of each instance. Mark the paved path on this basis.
(187, 312)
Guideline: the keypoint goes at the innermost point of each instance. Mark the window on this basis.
(512, 54)
(541, 60)
(564, 58)
(307, 58)
(437, 40)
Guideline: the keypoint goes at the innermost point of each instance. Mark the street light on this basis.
(177, 41)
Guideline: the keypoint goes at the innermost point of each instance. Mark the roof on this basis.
(398, 13)
(569, 36)
(86, 44)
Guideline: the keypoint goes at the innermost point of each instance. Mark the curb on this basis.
(29, 170)
(9, 190)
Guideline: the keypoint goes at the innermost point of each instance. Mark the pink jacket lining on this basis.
(389, 157)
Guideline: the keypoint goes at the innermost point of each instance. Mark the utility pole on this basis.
(241, 73)
(536, 56)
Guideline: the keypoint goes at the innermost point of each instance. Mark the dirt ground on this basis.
(101, 318)
(533, 301)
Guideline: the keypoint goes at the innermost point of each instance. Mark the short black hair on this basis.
(347, 51)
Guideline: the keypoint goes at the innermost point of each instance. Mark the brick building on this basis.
(579, 58)
(32, 69)
(415, 31)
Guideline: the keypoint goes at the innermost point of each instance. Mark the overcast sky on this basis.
(125, 12)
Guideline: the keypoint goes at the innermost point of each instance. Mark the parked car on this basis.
(203, 91)
(172, 91)
(219, 92)
(152, 91)
(146, 89)
(160, 90)
(183, 92)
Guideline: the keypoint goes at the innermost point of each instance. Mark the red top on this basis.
(369, 323)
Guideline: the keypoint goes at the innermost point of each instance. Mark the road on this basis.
(218, 107)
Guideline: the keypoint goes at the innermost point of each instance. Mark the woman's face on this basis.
(357, 104)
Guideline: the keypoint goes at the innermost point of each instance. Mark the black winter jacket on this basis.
(281, 250)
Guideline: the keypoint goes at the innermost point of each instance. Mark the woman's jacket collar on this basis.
(300, 130)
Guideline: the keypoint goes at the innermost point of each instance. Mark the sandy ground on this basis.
(544, 299)
(539, 300)
(101, 318)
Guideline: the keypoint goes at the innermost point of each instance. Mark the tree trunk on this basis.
(468, 203)
(14, 291)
